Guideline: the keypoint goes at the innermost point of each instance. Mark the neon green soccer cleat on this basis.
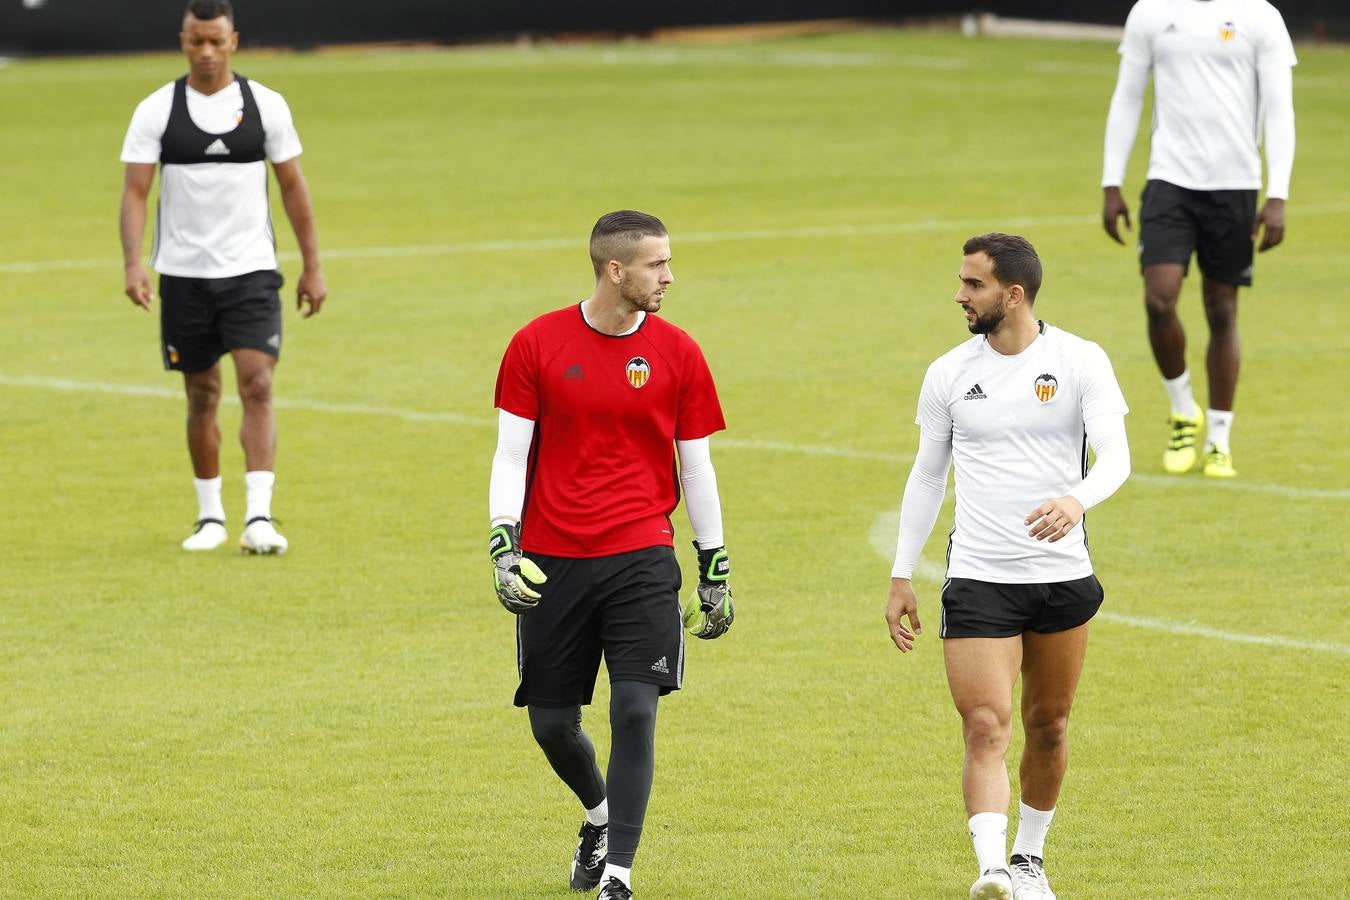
(1218, 463)
(1180, 455)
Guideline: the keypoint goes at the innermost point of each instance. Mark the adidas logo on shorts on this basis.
(660, 666)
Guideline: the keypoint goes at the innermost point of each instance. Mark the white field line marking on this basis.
(879, 229)
(882, 538)
(411, 415)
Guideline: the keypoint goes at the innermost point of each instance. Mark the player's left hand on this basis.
(709, 612)
(1054, 519)
(311, 289)
(1272, 216)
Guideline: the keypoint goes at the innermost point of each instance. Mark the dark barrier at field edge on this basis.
(91, 26)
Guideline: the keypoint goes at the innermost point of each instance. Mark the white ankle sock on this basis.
(619, 872)
(1032, 824)
(258, 488)
(989, 833)
(208, 498)
(1179, 393)
(1217, 427)
(599, 815)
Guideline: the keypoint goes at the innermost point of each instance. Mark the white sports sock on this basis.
(208, 498)
(989, 833)
(258, 488)
(619, 872)
(599, 815)
(1179, 393)
(1032, 824)
(1217, 428)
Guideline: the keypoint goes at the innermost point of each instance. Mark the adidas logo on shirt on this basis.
(1170, 29)
(975, 394)
(217, 148)
(574, 373)
(660, 666)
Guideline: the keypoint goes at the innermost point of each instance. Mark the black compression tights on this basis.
(632, 759)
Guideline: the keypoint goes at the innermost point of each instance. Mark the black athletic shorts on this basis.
(202, 319)
(1216, 226)
(973, 608)
(626, 606)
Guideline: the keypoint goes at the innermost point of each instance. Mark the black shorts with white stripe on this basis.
(625, 607)
(972, 608)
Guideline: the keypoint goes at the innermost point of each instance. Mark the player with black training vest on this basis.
(595, 400)
(211, 133)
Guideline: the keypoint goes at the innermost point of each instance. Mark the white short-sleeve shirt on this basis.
(1016, 424)
(1206, 106)
(213, 220)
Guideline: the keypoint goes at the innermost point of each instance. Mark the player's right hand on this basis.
(138, 286)
(902, 602)
(1113, 207)
(512, 573)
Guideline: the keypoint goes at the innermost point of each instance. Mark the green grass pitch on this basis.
(337, 721)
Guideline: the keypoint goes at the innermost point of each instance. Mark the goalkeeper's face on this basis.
(646, 276)
(983, 299)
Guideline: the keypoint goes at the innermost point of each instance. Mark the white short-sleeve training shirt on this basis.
(1206, 105)
(1016, 424)
(213, 219)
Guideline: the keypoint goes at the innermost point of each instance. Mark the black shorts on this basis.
(202, 319)
(1216, 226)
(626, 606)
(973, 608)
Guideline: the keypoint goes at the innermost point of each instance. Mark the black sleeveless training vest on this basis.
(184, 143)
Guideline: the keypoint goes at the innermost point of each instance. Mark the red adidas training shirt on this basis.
(607, 410)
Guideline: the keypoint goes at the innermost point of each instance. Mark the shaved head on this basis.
(617, 236)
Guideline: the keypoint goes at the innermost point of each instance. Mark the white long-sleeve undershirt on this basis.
(698, 479)
(1106, 437)
(506, 489)
(919, 508)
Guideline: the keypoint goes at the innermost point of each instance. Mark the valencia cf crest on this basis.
(1046, 385)
(638, 371)
(1227, 31)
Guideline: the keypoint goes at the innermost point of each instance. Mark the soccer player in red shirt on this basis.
(595, 399)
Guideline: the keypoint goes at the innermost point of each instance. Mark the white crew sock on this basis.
(1032, 824)
(1179, 393)
(989, 833)
(619, 872)
(1220, 422)
(258, 487)
(599, 815)
(208, 498)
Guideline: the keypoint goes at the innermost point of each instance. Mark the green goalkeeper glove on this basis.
(513, 573)
(709, 612)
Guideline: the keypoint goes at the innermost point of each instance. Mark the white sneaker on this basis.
(261, 538)
(1029, 881)
(209, 534)
(994, 884)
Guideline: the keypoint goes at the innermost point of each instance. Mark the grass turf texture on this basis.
(338, 721)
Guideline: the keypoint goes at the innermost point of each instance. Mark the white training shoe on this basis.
(1029, 881)
(994, 884)
(209, 534)
(261, 538)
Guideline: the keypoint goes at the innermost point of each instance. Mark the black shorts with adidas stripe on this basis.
(1216, 226)
(972, 608)
(625, 607)
(202, 319)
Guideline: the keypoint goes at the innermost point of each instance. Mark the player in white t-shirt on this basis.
(1015, 408)
(1219, 68)
(212, 133)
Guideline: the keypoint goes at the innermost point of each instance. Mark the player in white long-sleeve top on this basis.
(1220, 68)
(1015, 408)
